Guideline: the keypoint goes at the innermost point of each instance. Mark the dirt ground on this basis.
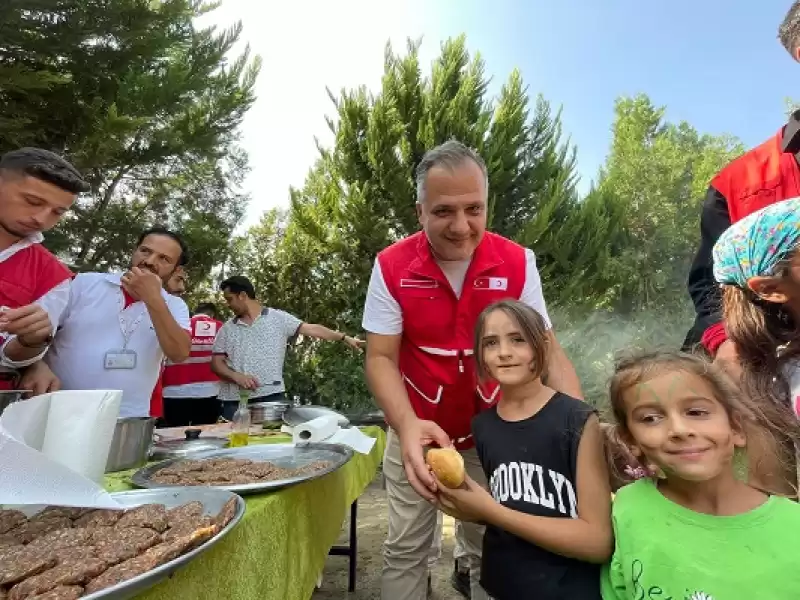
(371, 534)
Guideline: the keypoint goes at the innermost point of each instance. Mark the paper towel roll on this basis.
(316, 430)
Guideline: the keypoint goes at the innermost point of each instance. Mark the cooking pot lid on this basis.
(180, 448)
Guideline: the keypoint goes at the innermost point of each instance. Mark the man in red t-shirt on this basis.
(37, 188)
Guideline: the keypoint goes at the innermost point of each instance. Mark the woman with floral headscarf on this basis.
(757, 263)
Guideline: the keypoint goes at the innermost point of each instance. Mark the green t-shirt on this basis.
(667, 552)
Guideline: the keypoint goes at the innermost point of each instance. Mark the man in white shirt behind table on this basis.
(118, 327)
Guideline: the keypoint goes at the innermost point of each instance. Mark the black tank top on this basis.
(531, 467)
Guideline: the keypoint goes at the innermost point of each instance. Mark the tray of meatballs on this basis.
(64, 553)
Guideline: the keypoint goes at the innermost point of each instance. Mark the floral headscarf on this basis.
(753, 246)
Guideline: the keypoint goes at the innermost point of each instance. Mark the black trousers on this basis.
(179, 412)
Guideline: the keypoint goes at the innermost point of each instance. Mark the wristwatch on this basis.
(344, 337)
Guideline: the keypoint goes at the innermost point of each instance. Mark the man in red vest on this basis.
(424, 297)
(37, 187)
(190, 387)
(766, 174)
(175, 286)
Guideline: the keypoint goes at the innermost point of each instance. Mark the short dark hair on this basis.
(789, 30)
(208, 308)
(184, 258)
(45, 165)
(238, 284)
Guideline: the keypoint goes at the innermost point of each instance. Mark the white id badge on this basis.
(120, 359)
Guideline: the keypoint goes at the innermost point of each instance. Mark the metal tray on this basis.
(287, 456)
(213, 500)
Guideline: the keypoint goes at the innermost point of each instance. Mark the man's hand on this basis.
(727, 358)
(413, 436)
(39, 379)
(470, 502)
(355, 343)
(142, 285)
(247, 382)
(31, 324)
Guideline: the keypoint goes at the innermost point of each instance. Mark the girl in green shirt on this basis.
(696, 531)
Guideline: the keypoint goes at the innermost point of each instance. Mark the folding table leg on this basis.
(351, 550)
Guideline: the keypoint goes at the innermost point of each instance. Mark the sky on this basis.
(714, 63)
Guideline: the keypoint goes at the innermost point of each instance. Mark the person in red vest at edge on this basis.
(175, 286)
(424, 297)
(37, 188)
(765, 175)
(191, 389)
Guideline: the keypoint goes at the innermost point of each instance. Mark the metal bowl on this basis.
(131, 444)
(267, 411)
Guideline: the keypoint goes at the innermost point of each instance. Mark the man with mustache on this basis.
(118, 327)
(37, 188)
(424, 298)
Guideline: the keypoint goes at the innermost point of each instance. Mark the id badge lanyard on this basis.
(127, 331)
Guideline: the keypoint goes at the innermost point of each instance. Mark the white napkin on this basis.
(54, 449)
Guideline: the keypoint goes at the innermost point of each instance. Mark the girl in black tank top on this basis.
(548, 508)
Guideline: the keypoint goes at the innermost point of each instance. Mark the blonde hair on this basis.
(772, 430)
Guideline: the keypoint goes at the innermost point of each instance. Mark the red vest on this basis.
(438, 328)
(26, 276)
(763, 176)
(196, 368)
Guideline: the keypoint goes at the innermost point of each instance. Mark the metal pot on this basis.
(8, 397)
(131, 445)
(267, 411)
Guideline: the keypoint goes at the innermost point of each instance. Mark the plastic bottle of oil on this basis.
(241, 421)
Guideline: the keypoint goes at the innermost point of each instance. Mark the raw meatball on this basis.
(62, 592)
(122, 572)
(227, 513)
(115, 545)
(152, 516)
(73, 572)
(20, 565)
(34, 528)
(9, 519)
(185, 511)
(99, 518)
(187, 527)
(61, 538)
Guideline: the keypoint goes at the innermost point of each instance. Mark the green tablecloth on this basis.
(279, 548)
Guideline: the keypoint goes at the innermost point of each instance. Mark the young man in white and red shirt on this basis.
(191, 387)
(37, 188)
(424, 298)
(118, 327)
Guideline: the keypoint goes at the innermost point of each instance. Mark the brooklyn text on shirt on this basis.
(527, 482)
(654, 592)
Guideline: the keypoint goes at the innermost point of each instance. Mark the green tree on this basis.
(359, 196)
(657, 172)
(146, 104)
